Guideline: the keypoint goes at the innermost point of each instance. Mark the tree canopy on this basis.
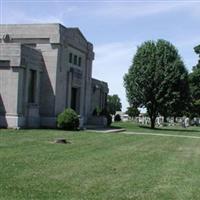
(113, 104)
(157, 80)
(194, 80)
(132, 111)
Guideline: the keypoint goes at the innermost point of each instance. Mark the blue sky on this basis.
(116, 28)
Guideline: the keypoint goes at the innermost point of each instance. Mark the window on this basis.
(74, 98)
(70, 58)
(79, 61)
(75, 59)
(4, 63)
(32, 87)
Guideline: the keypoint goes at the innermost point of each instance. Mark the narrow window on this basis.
(32, 86)
(4, 63)
(79, 61)
(70, 58)
(75, 59)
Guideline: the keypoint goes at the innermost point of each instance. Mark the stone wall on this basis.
(46, 48)
(99, 95)
(13, 82)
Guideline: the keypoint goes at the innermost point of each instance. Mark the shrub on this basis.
(96, 111)
(68, 120)
(105, 113)
(117, 118)
(109, 119)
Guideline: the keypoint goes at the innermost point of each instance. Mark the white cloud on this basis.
(186, 46)
(194, 10)
(111, 63)
(22, 17)
(135, 9)
(64, 11)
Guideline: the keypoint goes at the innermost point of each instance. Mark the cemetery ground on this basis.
(100, 166)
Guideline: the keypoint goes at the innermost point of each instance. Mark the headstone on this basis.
(183, 122)
(187, 122)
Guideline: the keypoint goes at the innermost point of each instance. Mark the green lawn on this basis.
(175, 130)
(99, 166)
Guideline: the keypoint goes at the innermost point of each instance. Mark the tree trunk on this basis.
(165, 119)
(153, 120)
(152, 114)
(174, 119)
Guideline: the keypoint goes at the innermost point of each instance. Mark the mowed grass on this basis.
(173, 130)
(98, 166)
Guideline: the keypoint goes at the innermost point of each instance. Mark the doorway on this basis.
(75, 99)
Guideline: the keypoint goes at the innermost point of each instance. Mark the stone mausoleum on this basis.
(45, 68)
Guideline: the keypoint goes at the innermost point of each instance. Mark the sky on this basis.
(116, 29)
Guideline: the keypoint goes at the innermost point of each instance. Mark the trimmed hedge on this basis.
(68, 120)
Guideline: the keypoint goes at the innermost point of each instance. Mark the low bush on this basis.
(105, 113)
(109, 119)
(96, 111)
(117, 118)
(68, 120)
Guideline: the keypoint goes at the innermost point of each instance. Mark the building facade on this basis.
(45, 68)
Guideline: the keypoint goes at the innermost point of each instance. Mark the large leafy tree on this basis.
(113, 104)
(194, 80)
(132, 111)
(157, 80)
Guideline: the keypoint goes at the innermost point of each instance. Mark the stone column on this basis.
(37, 98)
(27, 75)
(82, 93)
(21, 91)
(88, 86)
(69, 89)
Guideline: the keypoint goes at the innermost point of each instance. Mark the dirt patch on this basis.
(62, 141)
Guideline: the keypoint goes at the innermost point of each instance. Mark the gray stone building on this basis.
(45, 68)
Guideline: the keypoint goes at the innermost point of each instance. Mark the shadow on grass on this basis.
(116, 127)
(171, 129)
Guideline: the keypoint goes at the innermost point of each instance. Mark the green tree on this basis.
(113, 104)
(132, 112)
(157, 80)
(197, 50)
(194, 80)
